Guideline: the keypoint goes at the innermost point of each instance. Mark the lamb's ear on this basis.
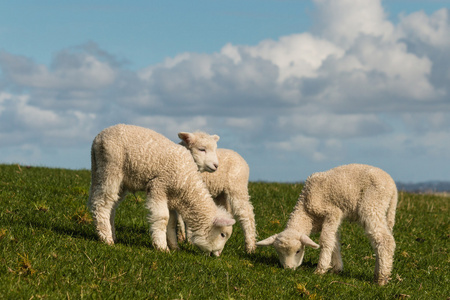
(186, 137)
(221, 222)
(308, 242)
(267, 242)
(216, 137)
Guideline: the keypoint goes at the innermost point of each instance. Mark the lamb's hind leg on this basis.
(336, 259)
(181, 229)
(328, 235)
(103, 198)
(102, 205)
(113, 214)
(383, 243)
(172, 230)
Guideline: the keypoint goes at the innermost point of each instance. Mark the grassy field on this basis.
(49, 250)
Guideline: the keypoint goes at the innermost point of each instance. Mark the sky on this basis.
(295, 87)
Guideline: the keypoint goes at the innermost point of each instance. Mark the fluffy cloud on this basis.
(356, 81)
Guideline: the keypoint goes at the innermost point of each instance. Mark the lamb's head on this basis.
(203, 149)
(217, 234)
(290, 246)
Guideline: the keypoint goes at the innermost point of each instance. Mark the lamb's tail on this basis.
(391, 209)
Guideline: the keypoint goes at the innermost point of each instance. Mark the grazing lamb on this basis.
(358, 192)
(130, 158)
(229, 188)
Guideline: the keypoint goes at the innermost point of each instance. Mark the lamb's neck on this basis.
(300, 220)
(196, 205)
(198, 216)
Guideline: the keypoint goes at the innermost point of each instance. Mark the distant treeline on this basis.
(425, 187)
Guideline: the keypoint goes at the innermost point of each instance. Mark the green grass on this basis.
(49, 250)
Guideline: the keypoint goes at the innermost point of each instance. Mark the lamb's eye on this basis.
(298, 251)
(223, 235)
(202, 149)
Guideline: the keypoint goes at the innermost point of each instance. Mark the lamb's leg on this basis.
(328, 241)
(336, 259)
(104, 196)
(102, 200)
(188, 234)
(101, 212)
(181, 231)
(113, 214)
(384, 245)
(158, 219)
(172, 230)
(242, 209)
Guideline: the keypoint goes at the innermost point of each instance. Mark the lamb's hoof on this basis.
(382, 280)
(320, 271)
(162, 249)
(181, 238)
(174, 247)
(337, 270)
(250, 248)
(108, 241)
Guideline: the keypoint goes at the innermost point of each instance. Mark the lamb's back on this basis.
(233, 171)
(142, 154)
(344, 188)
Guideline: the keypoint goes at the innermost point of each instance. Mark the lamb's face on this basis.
(215, 240)
(217, 235)
(203, 149)
(290, 246)
(290, 250)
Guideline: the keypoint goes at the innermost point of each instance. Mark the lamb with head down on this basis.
(128, 158)
(356, 192)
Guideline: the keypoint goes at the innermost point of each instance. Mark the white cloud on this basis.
(343, 21)
(433, 30)
(69, 72)
(299, 55)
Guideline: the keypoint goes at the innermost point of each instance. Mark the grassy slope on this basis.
(48, 249)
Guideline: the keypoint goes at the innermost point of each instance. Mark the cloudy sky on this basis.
(294, 86)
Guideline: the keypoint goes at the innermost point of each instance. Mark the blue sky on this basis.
(294, 86)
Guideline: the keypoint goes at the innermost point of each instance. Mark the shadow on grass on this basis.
(133, 236)
(83, 231)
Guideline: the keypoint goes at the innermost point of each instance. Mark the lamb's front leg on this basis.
(158, 218)
(328, 242)
(243, 211)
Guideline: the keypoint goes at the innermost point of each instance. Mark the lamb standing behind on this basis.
(130, 158)
(229, 188)
(358, 192)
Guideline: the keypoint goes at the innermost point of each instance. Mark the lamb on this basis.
(128, 158)
(228, 186)
(357, 192)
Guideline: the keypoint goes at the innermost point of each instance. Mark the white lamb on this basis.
(130, 158)
(228, 186)
(357, 192)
